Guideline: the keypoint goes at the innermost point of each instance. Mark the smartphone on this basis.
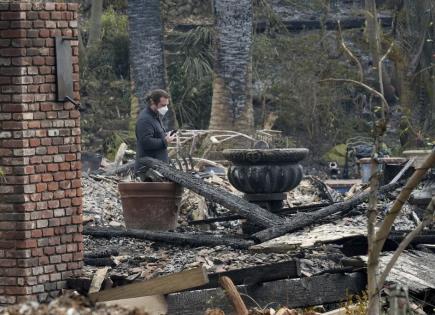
(173, 132)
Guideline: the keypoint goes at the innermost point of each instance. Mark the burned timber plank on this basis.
(106, 252)
(124, 169)
(302, 220)
(328, 288)
(415, 269)
(283, 211)
(312, 236)
(174, 238)
(98, 279)
(258, 274)
(99, 261)
(250, 211)
(162, 285)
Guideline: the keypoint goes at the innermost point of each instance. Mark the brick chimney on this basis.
(41, 200)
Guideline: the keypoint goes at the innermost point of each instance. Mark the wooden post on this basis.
(233, 295)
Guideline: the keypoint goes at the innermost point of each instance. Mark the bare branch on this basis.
(416, 58)
(368, 88)
(423, 70)
(412, 182)
(428, 219)
(381, 61)
(350, 54)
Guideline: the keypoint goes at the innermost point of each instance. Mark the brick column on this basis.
(40, 203)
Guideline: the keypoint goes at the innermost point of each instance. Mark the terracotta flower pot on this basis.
(150, 206)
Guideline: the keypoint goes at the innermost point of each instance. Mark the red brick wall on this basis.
(40, 203)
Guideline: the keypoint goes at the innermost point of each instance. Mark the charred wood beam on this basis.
(420, 239)
(357, 245)
(250, 211)
(301, 25)
(173, 238)
(99, 261)
(305, 208)
(403, 233)
(302, 220)
(121, 170)
(214, 220)
(258, 274)
(102, 253)
(283, 211)
(80, 285)
(328, 288)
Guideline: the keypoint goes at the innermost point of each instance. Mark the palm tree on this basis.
(190, 69)
(232, 81)
(147, 62)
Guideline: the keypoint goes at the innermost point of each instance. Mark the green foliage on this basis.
(110, 58)
(105, 85)
(2, 176)
(356, 304)
(190, 76)
(287, 70)
(117, 5)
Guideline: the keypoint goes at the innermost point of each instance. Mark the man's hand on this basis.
(169, 138)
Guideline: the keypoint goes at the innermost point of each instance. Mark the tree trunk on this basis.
(147, 61)
(412, 60)
(373, 31)
(95, 27)
(373, 35)
(232, 83)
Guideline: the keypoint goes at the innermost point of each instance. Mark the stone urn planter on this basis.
(265, 175)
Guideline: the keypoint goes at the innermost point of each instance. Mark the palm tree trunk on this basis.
(232, 83)
(147, 61)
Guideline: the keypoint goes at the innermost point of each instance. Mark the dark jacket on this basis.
(150, 137)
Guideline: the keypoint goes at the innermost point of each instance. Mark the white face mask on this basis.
(163, 110)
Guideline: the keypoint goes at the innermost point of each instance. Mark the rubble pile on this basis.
(68, 305)
(327, 252)
(267, 311)
(305, 193)
(143, 259)
(101, 201)
(146, 260)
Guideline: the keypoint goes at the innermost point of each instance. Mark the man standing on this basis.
(151, 137)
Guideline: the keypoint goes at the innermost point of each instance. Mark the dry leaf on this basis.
(214, 311)
(286, 311)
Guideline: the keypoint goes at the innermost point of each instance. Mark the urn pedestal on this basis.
(265, 175)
